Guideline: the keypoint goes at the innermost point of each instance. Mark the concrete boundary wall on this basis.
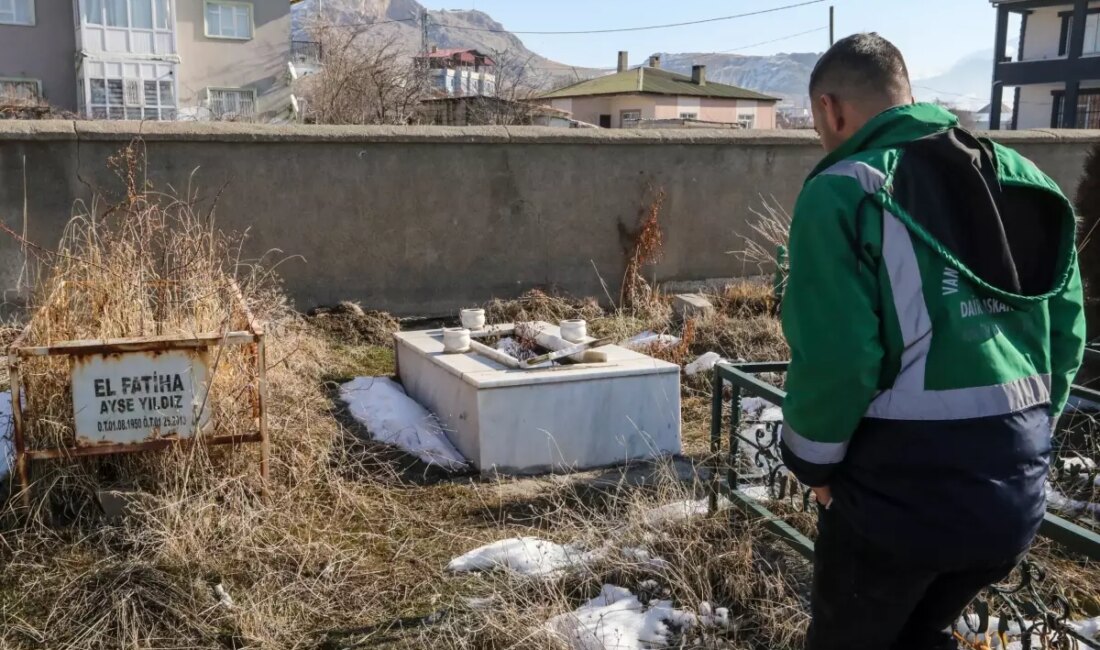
(422, 220)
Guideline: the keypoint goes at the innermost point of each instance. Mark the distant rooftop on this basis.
(655, 81)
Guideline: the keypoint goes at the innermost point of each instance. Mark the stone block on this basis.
(691, 305)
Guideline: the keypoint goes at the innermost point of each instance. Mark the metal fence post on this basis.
(735, 422)
(715, 435)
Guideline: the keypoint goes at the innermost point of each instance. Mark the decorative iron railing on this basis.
(752, 460)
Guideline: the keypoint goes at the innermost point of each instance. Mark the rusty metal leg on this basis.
(265, 442)
(18, 438)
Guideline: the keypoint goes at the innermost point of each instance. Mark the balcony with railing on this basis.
(305, 52)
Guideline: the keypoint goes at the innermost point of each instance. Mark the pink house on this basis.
(631, 97)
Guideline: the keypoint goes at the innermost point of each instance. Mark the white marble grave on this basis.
(569, 417)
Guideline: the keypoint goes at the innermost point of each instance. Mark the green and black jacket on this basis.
(934, 314)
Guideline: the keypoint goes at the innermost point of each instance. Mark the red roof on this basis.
(460, 55)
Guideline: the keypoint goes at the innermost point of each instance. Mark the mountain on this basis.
(782, 75)
(448, 29)
(965, 84)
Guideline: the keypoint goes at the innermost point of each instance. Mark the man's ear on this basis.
(833, 113)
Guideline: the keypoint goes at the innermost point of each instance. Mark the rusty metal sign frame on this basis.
(244, 330)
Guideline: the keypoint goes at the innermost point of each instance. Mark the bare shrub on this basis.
(770, 230)
(646, 246)
(365, 79)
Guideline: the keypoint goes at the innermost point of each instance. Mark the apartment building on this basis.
(459, 72)
(1054, 76)
(148, 59)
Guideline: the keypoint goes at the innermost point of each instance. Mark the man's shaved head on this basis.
(862, 68)
(859, 77)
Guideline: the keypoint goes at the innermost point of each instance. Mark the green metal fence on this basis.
(1021, 600)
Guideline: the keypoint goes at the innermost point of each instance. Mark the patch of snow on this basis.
(645, 558)
(702, 364)
(758, 493)
(713, 616)
(965, 627)
(1090, 628)
(647, 340)
(675, 511)
(529, 556)
(761, 410)
(617, 620)
(7, 446)
(486, 602)
(392, 417)
(1079, 463)
(1071, 507)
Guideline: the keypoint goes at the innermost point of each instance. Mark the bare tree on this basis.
(514, 97)
(364, 80)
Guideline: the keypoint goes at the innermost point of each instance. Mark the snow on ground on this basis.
(617, 620)
(645, 340)
(758, 493)
(675, 511)
(1089, 628)
(761, 409)
(702, 364)
(392, 417)
(529, 556)
(7, 448)
(644, 558)
(1071, 507)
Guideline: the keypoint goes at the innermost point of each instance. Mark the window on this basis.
(228, 19)
(1088, 110)
(630, 118)
(137, 14)
(1092, 33)
(17, 12)
(19, 91)
(689, 116)
(746, 120)
(232, 103)
(130, 97)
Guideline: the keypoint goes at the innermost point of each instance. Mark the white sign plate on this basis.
(139, 396)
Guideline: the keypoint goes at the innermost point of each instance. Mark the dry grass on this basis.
(340, 541)
(349, 550)
(540, 305)
(717, 559)
(350, 324)
(756, 338)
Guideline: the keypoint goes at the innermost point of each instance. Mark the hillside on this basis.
(783, 75)
(449, 29)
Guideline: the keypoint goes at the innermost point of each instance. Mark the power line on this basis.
(639, 29)
(736, 49)
(774, 40)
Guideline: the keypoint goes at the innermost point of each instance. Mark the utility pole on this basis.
(424, 19)
(832, 23)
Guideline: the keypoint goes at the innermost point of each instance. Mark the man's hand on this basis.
(824, 496)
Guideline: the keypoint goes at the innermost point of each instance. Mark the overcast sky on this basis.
(933, 34)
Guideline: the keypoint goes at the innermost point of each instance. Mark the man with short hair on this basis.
(935, 319)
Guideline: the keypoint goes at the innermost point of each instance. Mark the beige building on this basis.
(632, 97)
(149, 59)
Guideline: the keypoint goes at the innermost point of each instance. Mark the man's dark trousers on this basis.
(867, 598)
